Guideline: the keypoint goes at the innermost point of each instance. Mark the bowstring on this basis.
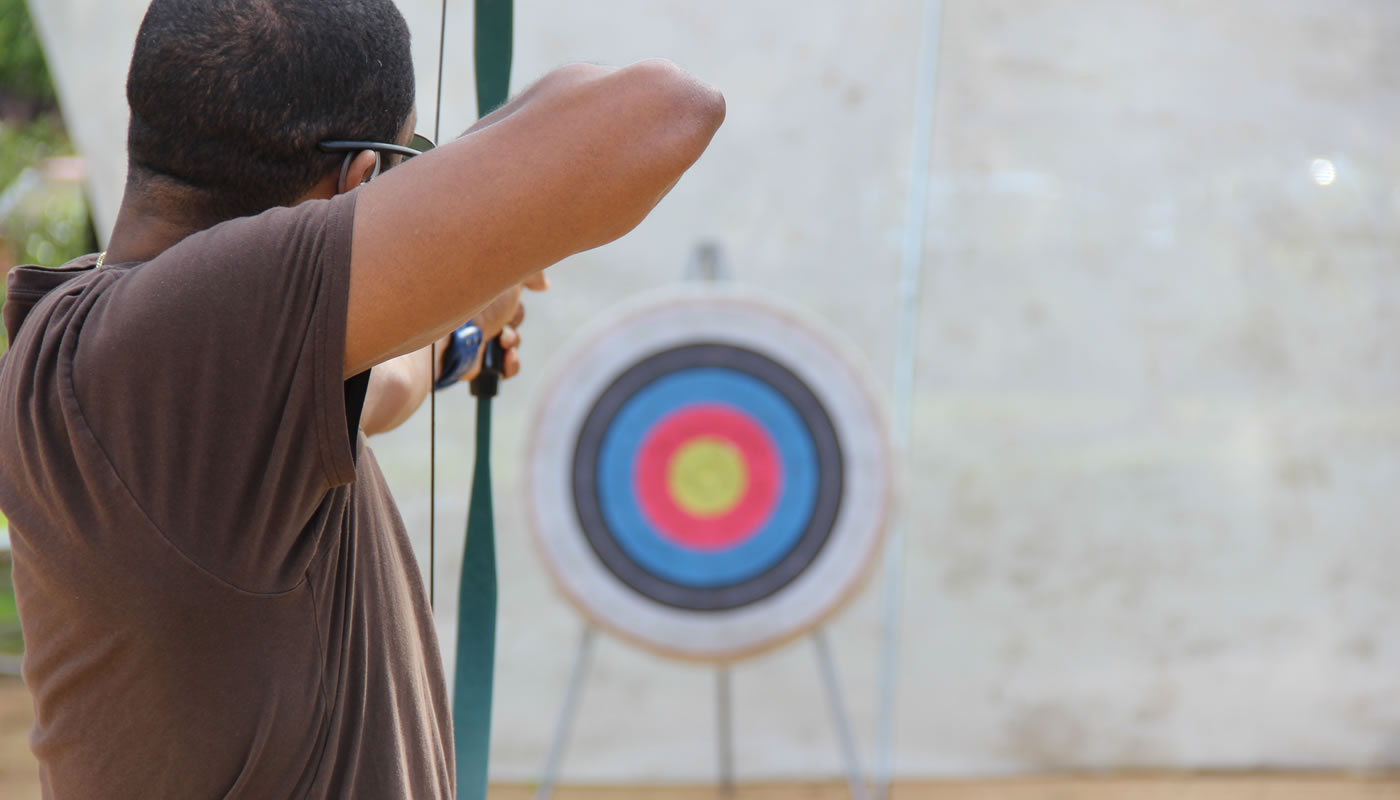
(432, 395)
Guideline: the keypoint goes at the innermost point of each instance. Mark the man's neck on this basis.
(154, 216)
(141, 236)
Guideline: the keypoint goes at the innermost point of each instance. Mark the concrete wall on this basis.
(1151, 498)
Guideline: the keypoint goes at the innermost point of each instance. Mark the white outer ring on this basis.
(654, 323)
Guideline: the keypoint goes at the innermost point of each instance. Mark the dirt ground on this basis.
(19, 780)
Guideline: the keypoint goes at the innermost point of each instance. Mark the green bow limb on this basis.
(495, 22)
(477, 592)
(476, 602)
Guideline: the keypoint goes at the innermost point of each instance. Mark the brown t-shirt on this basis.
(219, 598)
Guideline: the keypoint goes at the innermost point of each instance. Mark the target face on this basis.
(707, 477)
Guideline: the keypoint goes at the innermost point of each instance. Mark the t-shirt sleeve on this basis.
(211, 376)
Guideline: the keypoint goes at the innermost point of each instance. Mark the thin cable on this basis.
(442, 57)
(911, 267)
(432, 486)
(432, 395)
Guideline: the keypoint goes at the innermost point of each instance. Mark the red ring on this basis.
(662, 442)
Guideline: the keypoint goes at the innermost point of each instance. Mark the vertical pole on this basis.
(725, 729)
(911, 266)
(582, 658)
(707, 263)
(844, 736)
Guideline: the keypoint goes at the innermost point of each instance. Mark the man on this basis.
(218, 594)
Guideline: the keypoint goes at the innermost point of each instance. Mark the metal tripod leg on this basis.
(844, 734)
(724, 718)
(582, 657)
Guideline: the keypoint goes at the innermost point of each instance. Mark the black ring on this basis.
(825, 511)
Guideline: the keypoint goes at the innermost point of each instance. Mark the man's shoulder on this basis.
(27, 286)
(308, 216)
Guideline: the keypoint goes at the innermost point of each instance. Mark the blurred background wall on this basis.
(1151, 499)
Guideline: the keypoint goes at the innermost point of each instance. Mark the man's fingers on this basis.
(510, 337)
(519, 316)
(510, 341)
(538, 282)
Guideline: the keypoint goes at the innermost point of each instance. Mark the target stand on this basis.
(708, 480)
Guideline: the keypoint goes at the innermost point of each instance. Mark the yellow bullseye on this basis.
(707, 476)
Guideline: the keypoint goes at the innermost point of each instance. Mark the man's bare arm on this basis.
(575, 162)
(396, 389)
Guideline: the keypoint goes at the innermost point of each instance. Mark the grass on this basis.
(11, 642)
(9, 615)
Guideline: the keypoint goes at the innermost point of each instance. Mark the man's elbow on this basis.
(706, 104)
(692, 108)
(651, 122)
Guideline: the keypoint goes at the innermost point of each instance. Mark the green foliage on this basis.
(49, 223)
(24, 144)
(23, 71)
(51, 226)
(51, 220)
(11, 639)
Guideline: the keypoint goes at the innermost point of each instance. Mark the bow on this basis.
(476, 598)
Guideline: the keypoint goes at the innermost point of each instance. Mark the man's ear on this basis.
(358, 170)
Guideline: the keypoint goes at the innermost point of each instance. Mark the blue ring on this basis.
(616, 478)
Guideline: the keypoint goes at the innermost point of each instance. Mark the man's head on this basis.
(229, 98)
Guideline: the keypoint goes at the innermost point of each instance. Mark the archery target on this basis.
(707, 476)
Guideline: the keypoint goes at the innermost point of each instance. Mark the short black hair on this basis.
(231, 97)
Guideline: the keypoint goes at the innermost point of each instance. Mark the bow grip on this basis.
(493, 368)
